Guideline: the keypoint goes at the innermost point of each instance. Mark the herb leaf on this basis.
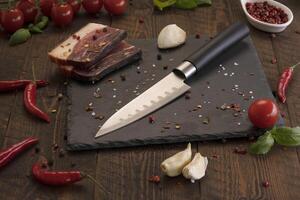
(286, 136)
(161, 4)
(263, 144)
(204, 2)
(186, 4)
(20, 36)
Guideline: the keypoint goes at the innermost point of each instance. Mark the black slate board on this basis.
(211, 88)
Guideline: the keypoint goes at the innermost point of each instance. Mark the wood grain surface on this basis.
(123, 174)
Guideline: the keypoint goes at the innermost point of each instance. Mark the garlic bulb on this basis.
(195, 170)
(171, 36)
(173, 165)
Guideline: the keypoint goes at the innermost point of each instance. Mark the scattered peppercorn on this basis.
(239, 150)
(206, 120)
(165, 67)
(151, 119)
(297, 32)
(158, 57)
(65, 137)
(154, 179)
(104, 30)
(37, 150)
(61, 153)
(274, 61)
(60, 96)
(123, 77)
(197, 36)
(141, 20)
(187, 96)
(265, 184)
(50, 163)
(55, 146)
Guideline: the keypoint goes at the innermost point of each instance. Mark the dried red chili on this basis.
(284, 81)
(10, 153)
(6, 86)
(30, 102)
(58, 178)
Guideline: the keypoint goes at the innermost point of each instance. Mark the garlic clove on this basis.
(173, 165)
(171, 36)
(195, 170)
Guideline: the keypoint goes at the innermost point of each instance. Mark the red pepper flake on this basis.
(151, 119)
(154, 179)
(274, 61)
(265, 184)
(239, 150)
(141, 20)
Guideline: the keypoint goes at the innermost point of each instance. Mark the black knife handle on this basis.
(217, 45)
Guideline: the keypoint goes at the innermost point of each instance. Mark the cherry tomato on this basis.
(263, 113)
(115, 7)
(62, 14)
(12, 20)
(29, 10)
(46, 6)
(92, 6)
(76, 4)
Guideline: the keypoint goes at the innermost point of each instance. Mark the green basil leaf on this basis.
(161, 4)
(42, 23)
(263, 144)
(34, 29)
(286, 136)
(20, 36)
(203, 2)
(186, 4)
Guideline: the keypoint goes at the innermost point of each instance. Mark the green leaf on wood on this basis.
(20, 36)
(263, 144)
(286, 136)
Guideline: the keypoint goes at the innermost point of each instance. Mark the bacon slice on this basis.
(87, 46)
(122, 55)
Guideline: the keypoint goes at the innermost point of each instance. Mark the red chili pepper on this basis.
(284, 81)
(55, 178)
(58, 178)
(10, 153)
(6, 86)
(30, 102)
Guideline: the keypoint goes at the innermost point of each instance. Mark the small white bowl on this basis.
(264, 26)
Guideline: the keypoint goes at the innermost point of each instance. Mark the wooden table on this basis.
(123, 173)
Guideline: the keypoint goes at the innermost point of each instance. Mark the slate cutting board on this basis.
(235, 77)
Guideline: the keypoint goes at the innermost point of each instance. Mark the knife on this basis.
(173, 85)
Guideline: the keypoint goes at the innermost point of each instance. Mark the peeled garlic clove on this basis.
(171, 36)
(173, 165)
(195, 170)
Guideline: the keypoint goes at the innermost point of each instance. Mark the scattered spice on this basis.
(166, 127)
(55, 146)
(104, 30)
(265, 184)
(273, 35)
(154, 179)
(53, 111)
(60, 96)
(165, 67)
(100, 117)
(177, 126)
(123, 77)
(187, 96)
(197, 36)
(239, 150)
(297, 32)
(89, 108)
(141, 20)
(151, 119)
(61, 153)
(274, 61)
(37, 150)
(158, 57)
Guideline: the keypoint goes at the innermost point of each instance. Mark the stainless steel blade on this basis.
(164, 91)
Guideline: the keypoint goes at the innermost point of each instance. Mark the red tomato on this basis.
(115, 7)
(92, 6)
(76, 4)
(62, 14)
(263, 113)
(12, 20)
(29, 10)
(46, 6)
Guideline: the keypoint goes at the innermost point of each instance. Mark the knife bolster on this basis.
(185, 70)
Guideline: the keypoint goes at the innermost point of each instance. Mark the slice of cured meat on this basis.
(122, 55)
(87, 46)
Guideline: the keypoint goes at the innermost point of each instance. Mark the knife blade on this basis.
(173, 85)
